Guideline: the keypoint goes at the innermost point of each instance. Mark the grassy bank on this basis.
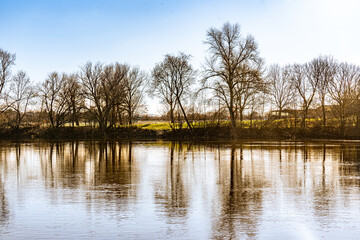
(201, 131)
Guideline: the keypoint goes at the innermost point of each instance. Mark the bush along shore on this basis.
(203, 133)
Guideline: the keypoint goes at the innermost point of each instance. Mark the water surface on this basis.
(172, 190)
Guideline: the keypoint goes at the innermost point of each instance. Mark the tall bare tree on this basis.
(343, 90)
(54, 99)
(172, 79)
(103, 87)
(160, 86)
(248, 86)
(255, 103)
(90, 77)
(322, 70)
(19, 97)
(6, 61)
(134, 92)
(306, 88)
(231, 58)
(280, 87)
(74, 98)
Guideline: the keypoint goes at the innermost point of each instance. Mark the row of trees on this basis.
(333, 86)
(233, 79)
(108, 94)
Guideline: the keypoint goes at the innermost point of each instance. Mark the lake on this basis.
(174, 190)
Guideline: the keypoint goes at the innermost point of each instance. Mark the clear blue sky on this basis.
(63, 35)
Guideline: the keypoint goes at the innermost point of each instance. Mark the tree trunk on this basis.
(130, 118)
(232, 112)
(232, 118)
(251, 118)
(186, 119)
(172, 118)
(342, 120)
(323, 112)
(303, 120)
(18, 119)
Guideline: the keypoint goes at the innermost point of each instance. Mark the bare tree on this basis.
(255, 105)
(134, 92)
(232, 57)
(103, 87)
(306, 88)
(54, 99)
(113, 91)
(6, 61)
(343, 90)
(19, 97)
(171, 79)
(90, 77)
(248, 86)
(322, 70)
(280, 87)
(162, 86)
(74, 98)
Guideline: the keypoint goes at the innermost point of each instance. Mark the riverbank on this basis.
(203, 133)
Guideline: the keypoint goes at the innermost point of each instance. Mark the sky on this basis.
(63, 35)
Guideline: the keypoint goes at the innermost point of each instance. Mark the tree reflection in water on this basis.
(184, 190)
(241, 199)
(4, 207)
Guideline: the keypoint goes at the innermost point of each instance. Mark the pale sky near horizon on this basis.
(63, 35)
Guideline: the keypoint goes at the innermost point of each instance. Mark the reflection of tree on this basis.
(106, 169)
(4, 206)
(102, 167)
(229, 184)
(5, 151)
(241, 201)
(74, 149)
(337, 166)
(18, 155)
(114, 164)
(173, 196)
(324, 190)
(349, 156)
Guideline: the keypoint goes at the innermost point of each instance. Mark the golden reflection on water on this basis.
(179, 190)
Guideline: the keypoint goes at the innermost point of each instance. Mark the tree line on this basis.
(233, 85)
